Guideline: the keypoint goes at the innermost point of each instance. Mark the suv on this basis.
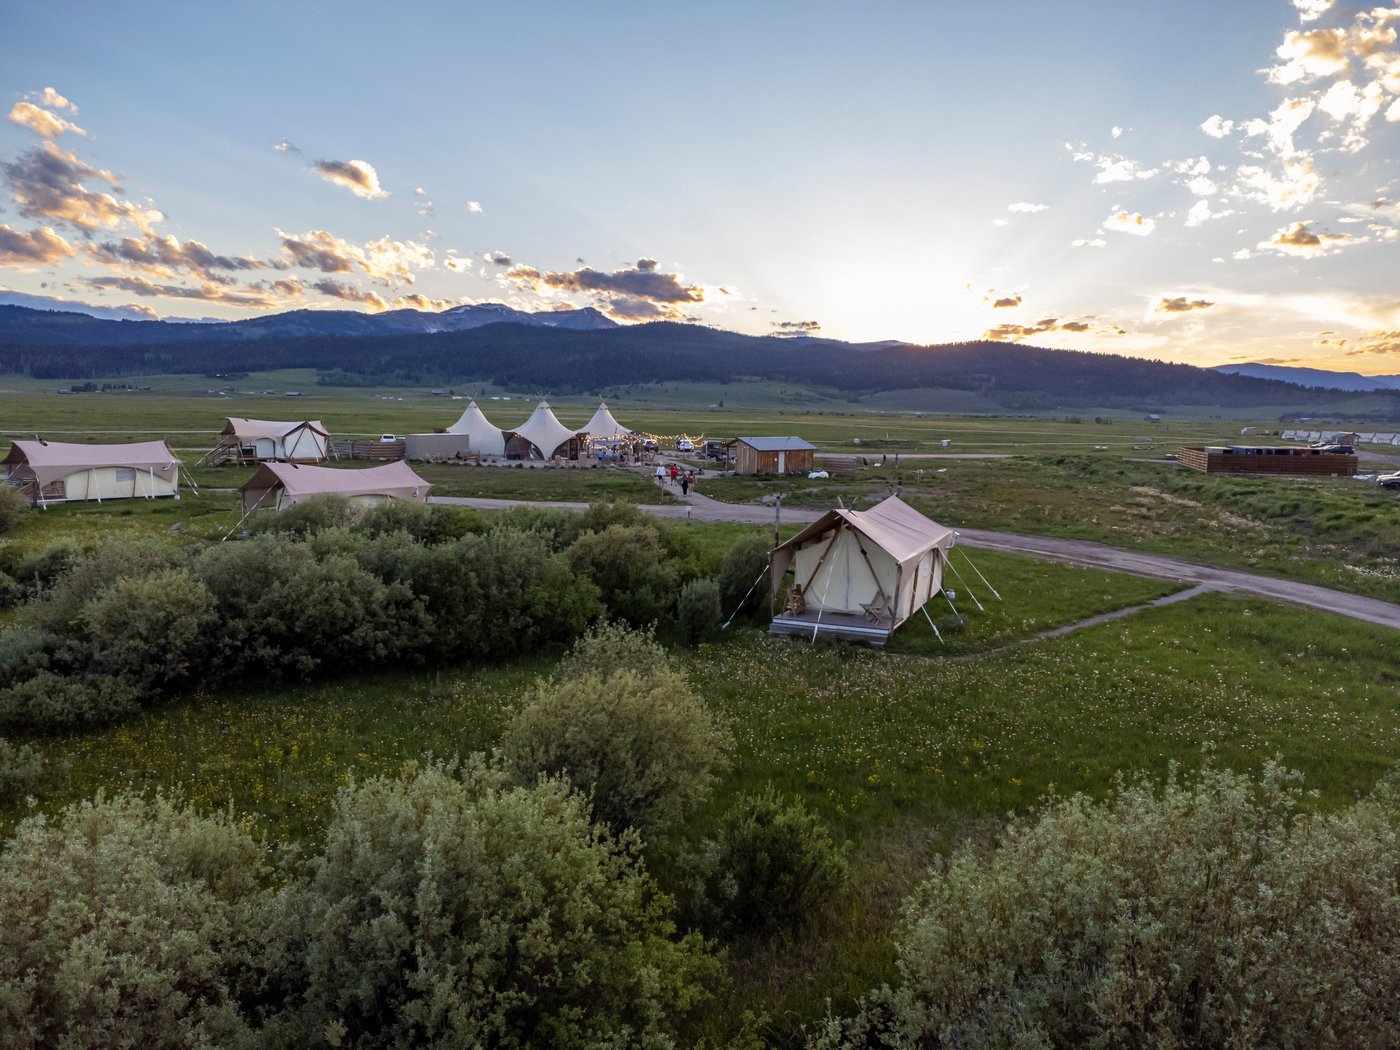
(685, 445)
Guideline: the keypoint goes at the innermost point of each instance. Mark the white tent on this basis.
(487, 439)
(57, 471)
(544, 431)
(261, 440)
(280, 485)
(860, 574)
(603, 427)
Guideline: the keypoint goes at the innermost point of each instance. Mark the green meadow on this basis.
(904, 753)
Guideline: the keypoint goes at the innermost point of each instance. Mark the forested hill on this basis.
(526, 356)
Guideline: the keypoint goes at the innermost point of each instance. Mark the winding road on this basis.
(1074, 552)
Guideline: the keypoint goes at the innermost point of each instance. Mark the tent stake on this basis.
(929, 618)
(965, 584)
(981, 577)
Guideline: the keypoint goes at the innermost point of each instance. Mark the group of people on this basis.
(685, 479)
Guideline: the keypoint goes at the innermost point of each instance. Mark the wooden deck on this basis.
(848, 627)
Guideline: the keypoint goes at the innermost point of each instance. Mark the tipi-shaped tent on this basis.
(547, 435)
(859, 574)
(603, 427)
(485, 438)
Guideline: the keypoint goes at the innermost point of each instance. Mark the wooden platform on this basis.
(848, 627)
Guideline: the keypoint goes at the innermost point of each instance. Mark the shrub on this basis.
(49, 699)
(450, 909)
(612, 646)
(13, 507)
(307, 517)
(425, 523)
(123, 924)
(697, 611)
(770, 866)
(1200, 913)
(149, 631)
(36, 572)
(625, 561)
(20, 767)
(85, 576)
(640, 744)
(740, 567)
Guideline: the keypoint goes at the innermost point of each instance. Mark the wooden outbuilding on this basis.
(1269, 459)
(771, 455)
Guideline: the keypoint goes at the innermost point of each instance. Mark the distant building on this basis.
(1269, 459)
(772, 455)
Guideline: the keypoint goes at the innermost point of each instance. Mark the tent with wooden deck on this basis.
(61, 472)
(280, 485)
(859, 574)
(270, 440)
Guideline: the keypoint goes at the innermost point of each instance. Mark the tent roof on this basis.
(51, 460)
(603, 425)
(482, 434)
(246, 429)
(776, 444)
(391, 479)
(543, 430)
(893, 525)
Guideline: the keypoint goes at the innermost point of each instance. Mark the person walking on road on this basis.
(661, 475)
(685, 486)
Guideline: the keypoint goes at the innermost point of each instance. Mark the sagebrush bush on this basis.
(452, 909)
(14, 505)
(150, 631)
(697, 611)
(771, 865)
(124, 922)
(626, 562)
(46, 698)
(611, 646)
(1199, 913)
(20, 767)
(639, 743)
(307, 517)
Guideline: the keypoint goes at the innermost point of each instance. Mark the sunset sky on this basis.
(1198, 182)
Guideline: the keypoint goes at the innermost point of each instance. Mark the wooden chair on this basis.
(796, 601)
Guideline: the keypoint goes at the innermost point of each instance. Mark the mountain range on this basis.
(1316, 377)
(581, 351)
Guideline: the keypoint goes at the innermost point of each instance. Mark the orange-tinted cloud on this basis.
(47, 182)
(357, 176)
(41, 121)
(166, 256)
(28, 249)
(385, 260)
(348, 293)
(1385, 343)
(208, 293)
(639, 293)
(1180, 305)
(1014, 333)
(1302, 240)
(1124, 222)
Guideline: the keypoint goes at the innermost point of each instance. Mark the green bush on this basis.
(612, 646)
(71, 699)
(85, 576)
(450, 909)
(771, 866)
(149, 631)
(625, 561)
(739, 568)
(13, 507)
(640, 744)
(697, 611)
(1200, 913)
(424, 522)
(20, 767)
(124, 924)
(306, 518)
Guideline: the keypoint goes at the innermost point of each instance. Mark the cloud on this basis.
(1297, 184)
(797, 327)
(1217, 127)
(165, 256)
(51, 98)
(385, 260)
(286, 147)
(32, 249)
(41, 121)
(348, 293)
(1014, 333)
(1180, 305)
(1023, 206)
(1312, 10)
(47, 182)
(642, 292)
(357, 176)
(414, 301)
(1120, 169)
(456, 264)
(209, 293)
(1200, 212)
(1385, 343)
(1301, 239)
(1284, 120)
(1002, 302)
(1123, 222)
(474, 206)
(1089, 242)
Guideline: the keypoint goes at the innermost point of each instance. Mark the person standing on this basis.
(661, 475)
(685, 486)
(675, 473)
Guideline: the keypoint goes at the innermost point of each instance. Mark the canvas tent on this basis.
(57, 472)
(859, 574)
(542, 436)
(483, 437)
(603, 427)
(280, 485)
(264, 440)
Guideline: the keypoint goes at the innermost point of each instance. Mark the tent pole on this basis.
(980, 576)
(817, 626)
(725, 626)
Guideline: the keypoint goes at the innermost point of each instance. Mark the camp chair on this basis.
(796, 602)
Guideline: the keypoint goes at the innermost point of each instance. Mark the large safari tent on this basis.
(60, 472)
(859, 574)
(270, 440)
(280, 485)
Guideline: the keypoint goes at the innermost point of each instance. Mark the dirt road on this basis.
(1075, 552)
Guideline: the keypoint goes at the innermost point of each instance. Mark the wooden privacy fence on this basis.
(367, 449)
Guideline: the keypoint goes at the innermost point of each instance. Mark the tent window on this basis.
(126, 473)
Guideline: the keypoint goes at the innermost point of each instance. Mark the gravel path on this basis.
(1050, 548)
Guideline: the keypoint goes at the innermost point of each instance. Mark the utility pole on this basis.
(777, 519)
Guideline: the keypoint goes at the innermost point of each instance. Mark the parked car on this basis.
(1391, 480)
(685, 445)
(814, 474)
(387, 437)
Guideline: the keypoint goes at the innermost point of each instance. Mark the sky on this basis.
(1198, 182)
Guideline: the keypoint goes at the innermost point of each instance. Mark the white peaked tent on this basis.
(260, 440)
(58, 472)
(603, 427)
(860, 574)
(280, 485)
(487, 439)
(544, 431)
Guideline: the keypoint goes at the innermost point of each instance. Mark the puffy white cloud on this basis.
(1283, 121)
(474, 206)
(1133, 223)
(1026, 207)
(1297, 184)
(1217, 127)
(1312, 10)
(32, 249)
(1303, 241)
(41, 121)
(1120, 169)
(385, 260)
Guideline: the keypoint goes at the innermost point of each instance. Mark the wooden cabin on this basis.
(771, 455)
